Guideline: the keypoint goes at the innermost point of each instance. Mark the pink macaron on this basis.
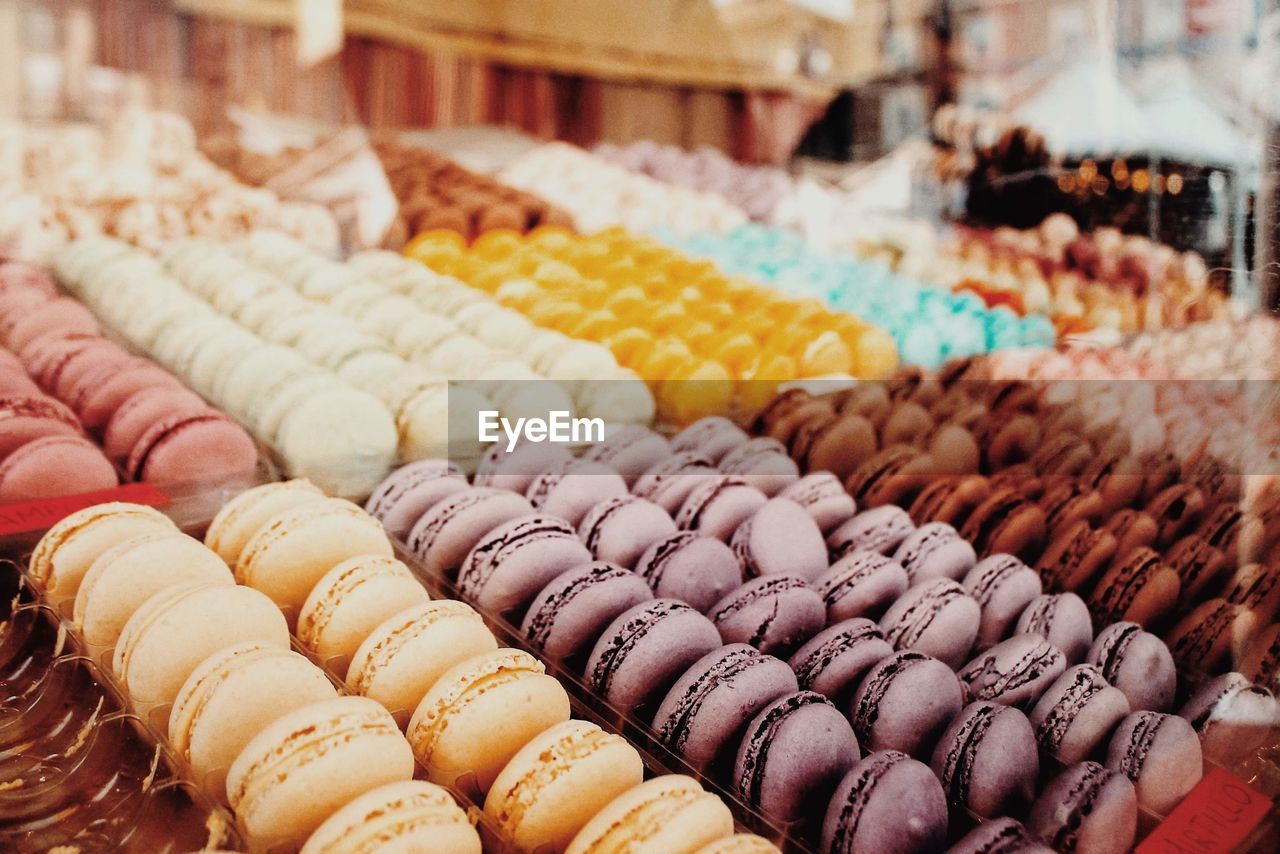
(24, 418)
(192, 447)
(15, 381)
(60, 317)
(53, 466)
(15, 275)
(81, 357)
(101, 392)
(142, 410)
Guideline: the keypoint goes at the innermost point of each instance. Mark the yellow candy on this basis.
(735, 349)
(595, 326)
(627, 301)
(665, 318)
(496, 244)
(436, 243)
(551, 237)
(826, 354)
(630, 346)
(664, 359)
(555, 313)
(875, 356)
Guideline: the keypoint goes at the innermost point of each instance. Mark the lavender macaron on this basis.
(987, 761)
(711, 437)
(1086, 808)
(937, 618)
(717, 507)
(669, 482)
(773, 613)
(511, 563)
(823, 497)
(1077, 714)
(1161, 754)
(412, 490)
(515, 469)
(780, 537)
(1014, 672)
(570, 612)
(999, 836)
(1063, 620)
(690, 567)
(1003, 586)
(860, 584)
(570, 489)
(904, 702)
(762, 462)
(881, 529)
(447, 532)
(619, 529)
(630, 451)
(1138, 663)
(833, 661)
(935, 550)
(888, 803)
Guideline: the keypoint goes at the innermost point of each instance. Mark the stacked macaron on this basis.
(928, 325)
(598, 194)
(150, 427)
(318, 424)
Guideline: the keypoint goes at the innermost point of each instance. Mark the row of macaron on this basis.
(198, 636)
(65, 387)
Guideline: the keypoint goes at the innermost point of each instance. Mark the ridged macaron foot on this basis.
(1136, 662)
(511, 563)
(671, 814)
(230, 696)
(834, 660)
(1161, 754)
(293, 549)
(570, 612)
(889, 803)
(480, 713)
(880, 529)
(711, 701)
(1002, 586)
(404, 817)
(999, 836)
(350, 601)
(937, 618)
(558, 781)
(823, 497)
(780, 537)
(773, 613)
(987, 761)
(1014, 672)
(1077, 714)
(860, 584)
(645, 649)
(690, 567)
(1086, 808)
(794, 752)
(716, 508)
(447, 532)
(572, 488)
(241, 517)
(1232, 717)
(620, 529)
(904, 702)
(403, 656)
(411, 490)
(305, 765)
(180, 626)
(1062, 619)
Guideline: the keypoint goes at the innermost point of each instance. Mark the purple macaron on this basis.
(860, 584)
(1086, 808)
(1161, 754)
(447, 532)
(880, 529)
(1014, 672)
(937, 618)
(515, 469)
(780, 537)
(834, 660)
(669, 482)
(619, 529)
(711, 437)
(570, 489)
(716, 508)
(764, 463)
(773, 613)
(1063, 620)
(409, 491)
(1003, 586)
(1138, 663)
(888, 803)
(824, 497)
(690, 567)
(630, 451)
(987, 760)
(1077, 714)
(904, 703)
(645, 649)
(511, 563)
(935, 550)
(999, 836)
(568, 615)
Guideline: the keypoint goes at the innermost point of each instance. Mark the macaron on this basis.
(620, 529)
(836, 444)
(516, 468)
(949, 499)
(241, 517)
(999, 836)
(895, 475)
(25, 418)
(763, 463)
(567, 616)
(1076, 556)
(1086, 808)
(512, 562)
(833, 661)
(630, 451)
(136, 415)
(774, 613)
(937, 618)
(1132, 529)
(301, 768)
(690, 567)
(712, 437)
(1136, 662)
(904, 702)
(1138, 588)
(1063, 620)
(480, 713)
(350, 601)
(823, 497)
(716, 508)
(670, 813)
(1256, 587)
(293, 549)
(555, 784)
(986, 760)
(645, 649)
(880, 529)
(101, 393)
(1006, 522)
(888, 802)
(397, 816)
(412, 490)
(403, 656)
(53, 466)
(1161, 754)
(1003, 587)
(571, 489)
(180, 626)
(934, 550)
(1015, 672)
(708, 706)
(1200, 566)
(1261, 660)
(230, 697)
(740, 843)
(780, 537)
(1077, 714)
(1232, 717)
(1211, 636)
(670, 482)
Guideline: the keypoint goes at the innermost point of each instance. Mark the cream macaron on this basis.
(305, 765)
(480, 713)
(398, 818)
(671, 814)
(558, 781)
(402, 657)
(230, 697)
(241, 517)
(180, 626)
(350, 601)
(740, 843)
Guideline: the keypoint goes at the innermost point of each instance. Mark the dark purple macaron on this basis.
(860, 584)
(823, 496)
(1161, 754)
(904, 703)
(514, 561)
(834, 660)
(999, 836)
(935, 550)
(716, 508)
(1063, 620)
(696, 570)
(1138, 663)
(792, 755)
(773, 613)
(669, 482)
(1077, 714)
(712, 701)
(780, 537)
(711, 437)
(1014, 672)
(568, 615)
(1086, 808)
(880, 529)
(645, 649)
(987, 760)
(888, 803)
(571, 489)
(515, 469)
(1003, 587)
(630, 451)
(619, 529)
(937, 618)
(409, 491)
(447, 533)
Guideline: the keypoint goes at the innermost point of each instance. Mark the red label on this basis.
(1216, 816)
(22, 516)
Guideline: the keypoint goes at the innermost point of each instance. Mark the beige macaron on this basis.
(230, 697)
(479, 713)
(67, 550)
(128, 573)
(671, 814)
(558, 781)
(305, 765)
(241, 517)
(398, 818)
(403, 656)
(181, 626)
(293, 549)
(350, 601)
(740, 843)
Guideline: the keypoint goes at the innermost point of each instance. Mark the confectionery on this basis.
(397, 814)
(904, 703)
(887, 802)
(1077, 713)
(667, 813)
(987, 759)
(1086, 808)
(1161, 754)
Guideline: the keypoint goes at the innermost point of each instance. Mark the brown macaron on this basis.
(949, 499)
(1132, 529)
(1200, 566)
(908, 423)
(1065, 502)
(1118, 479)
(892, 476)
(1212, 636)
(1178, 510)
(1075, 557)
(1138, 588)
(1006, 522)
(838, 444)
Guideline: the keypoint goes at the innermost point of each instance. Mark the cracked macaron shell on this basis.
(1015, 672)
(773, 613)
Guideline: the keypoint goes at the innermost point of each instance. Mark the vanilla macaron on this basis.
(398, 818)
(241, 517)
(304, 766)
(667, 814)
(230, 697)
(350, 601)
